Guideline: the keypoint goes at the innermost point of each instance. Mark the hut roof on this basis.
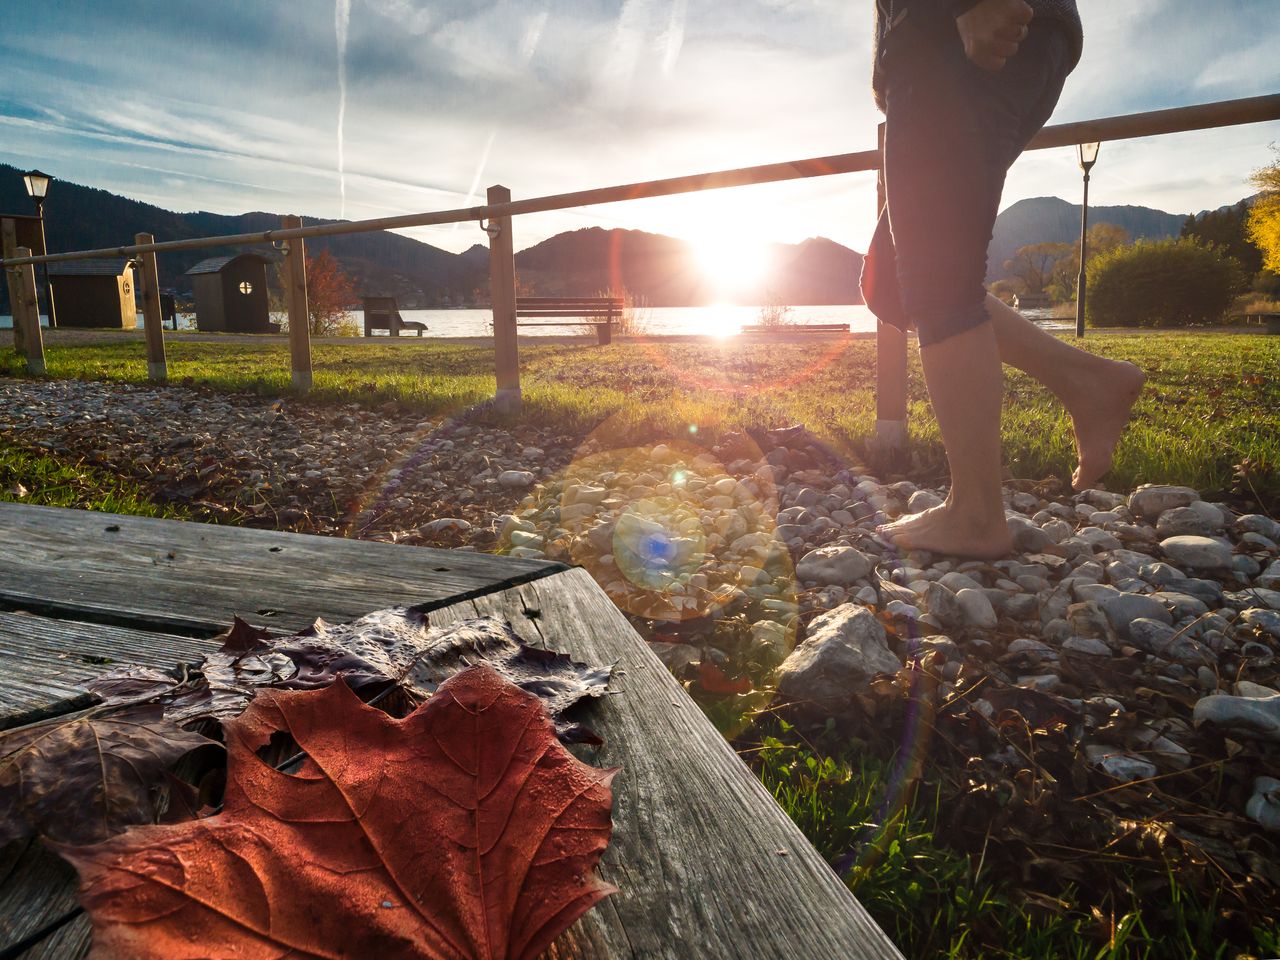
(215, 264)
(112, 267)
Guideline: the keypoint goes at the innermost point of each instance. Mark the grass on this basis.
(1211, 410)
(934, 901)
(48, 480)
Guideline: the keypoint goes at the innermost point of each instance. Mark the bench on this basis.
(708, 864)
(382, 313)
(796, 328)
(584, 308)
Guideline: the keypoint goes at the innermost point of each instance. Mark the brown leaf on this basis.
(85, 778)
(463, 830)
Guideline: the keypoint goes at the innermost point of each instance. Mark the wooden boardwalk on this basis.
(708, 865)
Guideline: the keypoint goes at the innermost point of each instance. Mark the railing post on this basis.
(891, 363)
(27, 307)
(502, 291)
(9, 230)
(152, 319)
(295, 295)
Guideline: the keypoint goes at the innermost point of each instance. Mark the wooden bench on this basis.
(382, 313)
(585, 308)
(708, 865)
(797, 328)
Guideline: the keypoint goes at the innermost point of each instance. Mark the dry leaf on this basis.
(463, 830)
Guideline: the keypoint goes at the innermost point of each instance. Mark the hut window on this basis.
(246, 287)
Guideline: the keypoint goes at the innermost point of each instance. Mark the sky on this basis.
(368, 108)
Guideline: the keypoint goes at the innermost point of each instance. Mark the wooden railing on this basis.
(497, 214)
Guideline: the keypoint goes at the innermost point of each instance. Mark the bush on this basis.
(1169, 283)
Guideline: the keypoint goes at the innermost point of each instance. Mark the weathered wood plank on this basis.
(45, 659)
(38, 887)
(191, 577)
(708, 864)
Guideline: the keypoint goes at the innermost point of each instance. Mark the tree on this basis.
(1102, 239)
(1226, 229)
(1033, 264)
(1263, 223)
(330, 294)
(1168, 283)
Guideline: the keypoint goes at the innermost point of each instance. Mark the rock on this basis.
(770, 641)
(1044, 682)
(923, 500)
(1249, 716)
(1022, 606)
(834, 565)
(1124, 767)
(1031, 650)
(1197, 553)
(1268, 621)
(1098, 538)
(1127, 607)
(1151, 500)
(1259, 524)
(976, 609)
(1027, 537)
(1184, 606)
(676, 656)
(1086, 645)
(845, 648)
(445, 525)
(956, 581)
(1185, 521)
(1161, 640)
(1103, 499)
(942, 603)
(516, 479)
(1264, 806)
(1270, 577)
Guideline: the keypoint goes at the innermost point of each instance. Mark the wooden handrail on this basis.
(1177, 120)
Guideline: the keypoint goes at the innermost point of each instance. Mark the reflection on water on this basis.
(720, 320)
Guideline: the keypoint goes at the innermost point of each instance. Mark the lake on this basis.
(722, 321)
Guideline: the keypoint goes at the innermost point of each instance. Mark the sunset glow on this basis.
(733, 263)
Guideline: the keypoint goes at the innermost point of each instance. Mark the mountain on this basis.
(660, 269)
(664, 271)
(1052, 220)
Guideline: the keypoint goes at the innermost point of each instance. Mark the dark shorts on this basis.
(952, 130)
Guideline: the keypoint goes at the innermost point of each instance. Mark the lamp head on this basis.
(1088, 154)
(37, 184)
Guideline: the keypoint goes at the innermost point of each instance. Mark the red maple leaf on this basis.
(463, 830)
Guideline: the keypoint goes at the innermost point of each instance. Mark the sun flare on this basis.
(732, 263)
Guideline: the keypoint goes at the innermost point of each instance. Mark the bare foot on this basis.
(950, 531)
(1099, 415)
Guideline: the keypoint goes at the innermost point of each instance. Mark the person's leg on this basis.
(1098, 393)
(966, 387)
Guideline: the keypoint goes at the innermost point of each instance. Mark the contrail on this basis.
(475, 180)
(342, 20)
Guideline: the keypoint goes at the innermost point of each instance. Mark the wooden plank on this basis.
(46, 659)
(569, 323)
(295, 272)
(502, 292)
(191, 577)
(542, 301)
(38, 887)
(798, 328)
(152, 318)
(709, 866)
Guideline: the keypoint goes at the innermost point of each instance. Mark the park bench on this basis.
(708, 865)
(382, 313)
(539, 309)
(758, 328)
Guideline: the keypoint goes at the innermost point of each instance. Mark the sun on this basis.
(732, 263)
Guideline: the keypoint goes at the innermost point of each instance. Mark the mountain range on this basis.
(659, 269)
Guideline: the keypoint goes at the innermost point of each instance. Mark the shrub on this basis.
(774, 312)
(1169, 283)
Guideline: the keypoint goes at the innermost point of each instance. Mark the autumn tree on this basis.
(1102, 238)
(1033, 264)
(330, 294)
(1263, 223)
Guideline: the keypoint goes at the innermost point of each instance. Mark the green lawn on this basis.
(1210, 417)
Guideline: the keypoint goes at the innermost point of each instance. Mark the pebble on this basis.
(1197, 553)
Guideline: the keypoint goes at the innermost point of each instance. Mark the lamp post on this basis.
(37, 187)
(1088, 156)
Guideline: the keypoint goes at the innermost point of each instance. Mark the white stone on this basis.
(1151, 500)
(1268, 621)
(845, 648)
(1122, 766)
(976, 608)
(835, 564)
(1264, 806)
(923, 500)
(1252, 716)
(1089, 646)
(445, 524)
(516, 479)
(1198, 553)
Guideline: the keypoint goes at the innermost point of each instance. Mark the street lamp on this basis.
(1087, 153)
(37, 187)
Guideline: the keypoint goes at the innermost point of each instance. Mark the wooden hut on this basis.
(231, 294)
(94, 293)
